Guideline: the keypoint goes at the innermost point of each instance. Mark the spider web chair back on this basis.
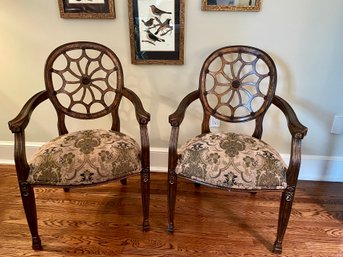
(237, 83)
(84, 80)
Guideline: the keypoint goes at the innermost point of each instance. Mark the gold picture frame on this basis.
(87, 9)
(231, 5)
(157, 31)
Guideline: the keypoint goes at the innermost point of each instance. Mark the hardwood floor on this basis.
(106, 221)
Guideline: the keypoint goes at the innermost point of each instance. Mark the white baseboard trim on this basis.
(313, 167)
(7, 150)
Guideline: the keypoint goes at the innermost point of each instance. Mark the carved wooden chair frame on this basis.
(296, 129)
(20, 122)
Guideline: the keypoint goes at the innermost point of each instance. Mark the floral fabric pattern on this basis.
(232, 161)
(85, 157)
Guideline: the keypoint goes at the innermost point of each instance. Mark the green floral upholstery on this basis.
(85, 157)
(232, 161)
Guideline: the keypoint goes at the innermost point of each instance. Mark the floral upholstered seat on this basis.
(232, 161)
(85, 157)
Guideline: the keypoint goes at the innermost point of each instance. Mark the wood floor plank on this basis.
(106, 221)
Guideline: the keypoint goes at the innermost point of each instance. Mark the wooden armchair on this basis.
(237, 84)
(84, 80)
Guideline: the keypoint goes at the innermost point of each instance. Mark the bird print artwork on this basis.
(156, 25)
(163, 27)
(152, 38)
(157, 11)
(149, 22)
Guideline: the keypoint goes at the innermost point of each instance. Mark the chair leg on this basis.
(123, 181)
(145, 190)
(284, 215)
(29, 203)
(172, 186)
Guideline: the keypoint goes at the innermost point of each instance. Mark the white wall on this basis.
(304, 38)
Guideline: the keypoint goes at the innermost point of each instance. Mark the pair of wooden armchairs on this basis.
(84, 80)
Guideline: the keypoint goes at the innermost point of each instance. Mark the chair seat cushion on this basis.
(84, 158)
(232, 161)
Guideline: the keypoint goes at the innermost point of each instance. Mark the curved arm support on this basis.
(17, 126)
(145, 146)
(294, 162)
(19, 123)
(22, 167)
(172, 156)
(295, 127)
(298, 132)
(142, 116)
(176, 118)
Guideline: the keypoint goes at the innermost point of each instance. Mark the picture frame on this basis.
(157, 31)
(87, 9)
(231, 5)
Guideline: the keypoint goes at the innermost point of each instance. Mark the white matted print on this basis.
(157, 25)
(86, 1)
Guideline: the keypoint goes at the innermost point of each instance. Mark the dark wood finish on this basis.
(236, 64)
(87, 54)
(243, 62)
(83, 60)
(101, 221)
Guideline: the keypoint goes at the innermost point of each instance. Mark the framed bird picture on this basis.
(157, 31)
(87, 9)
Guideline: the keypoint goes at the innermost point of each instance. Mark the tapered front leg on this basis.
(172, 186)
(29, 203)
(284, 215)
(145, 188)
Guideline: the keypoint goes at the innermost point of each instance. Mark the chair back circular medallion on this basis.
(237, 83)
(84, 79)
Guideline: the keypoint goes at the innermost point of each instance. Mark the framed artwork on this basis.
(87, 9)
(156, 31)
(231, 5)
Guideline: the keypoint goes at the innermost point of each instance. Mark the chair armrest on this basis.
(17, 126)
(176, 118)
(19, 123)
(295, 127)
(143, 117)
